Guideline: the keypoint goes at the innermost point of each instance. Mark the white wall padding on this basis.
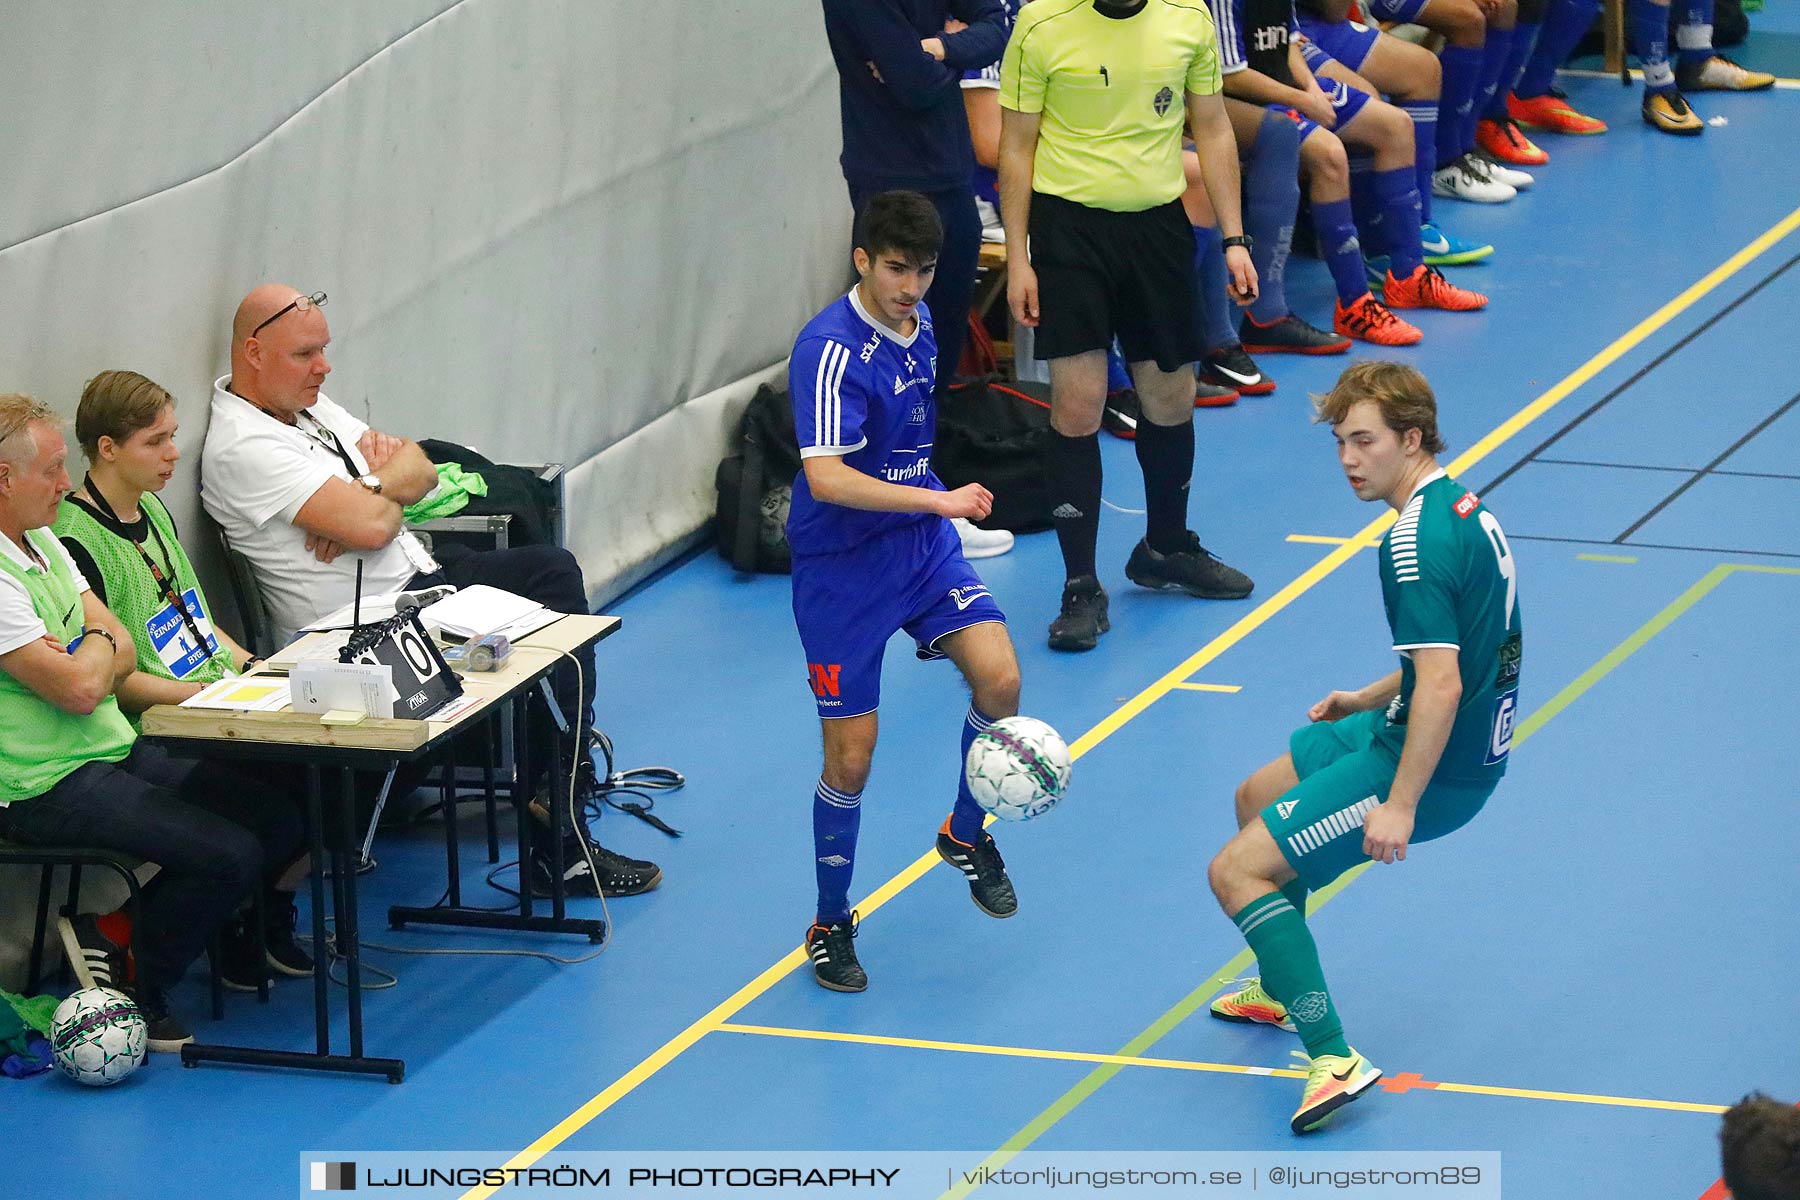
(543, 226)
(559, 230)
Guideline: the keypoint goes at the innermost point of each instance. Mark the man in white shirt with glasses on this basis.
(302, 489)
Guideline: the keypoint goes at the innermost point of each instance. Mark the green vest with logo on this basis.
(135, 598)
(42, 743)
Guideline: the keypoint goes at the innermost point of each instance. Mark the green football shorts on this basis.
(1318, 823)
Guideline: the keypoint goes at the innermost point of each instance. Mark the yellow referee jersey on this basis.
(1110, 91)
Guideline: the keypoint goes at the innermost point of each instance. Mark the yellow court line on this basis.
(1606, 558)
(1209, 687)
(1073, 1097)
(1245, 625)
(1182, 1064)
(1314, 539)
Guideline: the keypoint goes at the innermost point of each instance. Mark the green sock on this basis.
(1294, 892)
(1289, 961)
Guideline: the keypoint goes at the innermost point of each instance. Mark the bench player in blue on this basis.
(1407, 759)
(875, 552)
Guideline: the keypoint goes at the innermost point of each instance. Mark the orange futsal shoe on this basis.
(1425, 288)
(1368, 321)
(1551, 113)
(1505, 141)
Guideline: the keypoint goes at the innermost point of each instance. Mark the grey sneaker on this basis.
(1192, 569)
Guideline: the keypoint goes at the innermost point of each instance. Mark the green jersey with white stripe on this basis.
(1449, 580)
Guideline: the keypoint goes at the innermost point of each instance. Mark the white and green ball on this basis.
(1018, 768)
(98, 1036)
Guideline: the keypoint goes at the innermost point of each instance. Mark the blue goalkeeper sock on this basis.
(1209, 265)
(966, 817)
(836, 818)
(1271, 199)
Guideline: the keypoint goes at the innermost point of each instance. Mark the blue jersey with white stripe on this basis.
(862, 392)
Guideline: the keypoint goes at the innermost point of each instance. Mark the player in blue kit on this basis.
(874, 552)
(1407, 759)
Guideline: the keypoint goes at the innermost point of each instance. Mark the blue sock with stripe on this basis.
(1288, 960)
(1424, 114)
(1341, 248)
(1462, 73)
(1648, 25)
(1694, 36)
(1566, 22)
(1495, 54)
(836, 818)
(1399, 195)
(1524, 37)
(967, 816)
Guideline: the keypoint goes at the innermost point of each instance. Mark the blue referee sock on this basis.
(1648, 25)
(1271, 199)
(836, 818)
(1209, 265)
(1566, 22)
(1399, 195)
(967, 816)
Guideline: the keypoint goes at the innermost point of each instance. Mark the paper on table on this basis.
(378, 606)
(256, 694)
(479, 609)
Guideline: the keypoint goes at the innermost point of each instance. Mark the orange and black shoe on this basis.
(1249, 1004)
(1288, 335)
(1551, 113)
(1367, 320)
(1504, 140)
(1426, 288)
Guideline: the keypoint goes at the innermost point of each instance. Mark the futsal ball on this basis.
(775, 504)
(1018, 768)
(98, 1037)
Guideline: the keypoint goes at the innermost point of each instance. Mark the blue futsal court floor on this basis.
(1580, 980)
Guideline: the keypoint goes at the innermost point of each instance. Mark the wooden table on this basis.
(378, 743)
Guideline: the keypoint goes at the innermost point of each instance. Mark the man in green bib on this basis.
(72, 771)
(1407, 759)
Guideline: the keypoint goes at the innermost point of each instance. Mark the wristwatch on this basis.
(1242, 239)
(371, 482)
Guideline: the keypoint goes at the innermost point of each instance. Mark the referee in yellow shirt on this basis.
(1093, 94)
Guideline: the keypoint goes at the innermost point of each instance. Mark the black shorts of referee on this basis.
(1102, 273)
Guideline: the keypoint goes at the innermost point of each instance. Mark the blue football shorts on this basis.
(847, 605)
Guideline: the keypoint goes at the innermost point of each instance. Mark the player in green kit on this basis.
(1407, 759)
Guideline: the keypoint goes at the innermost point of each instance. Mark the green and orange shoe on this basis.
(1331, 1083)
(1250, 1005)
